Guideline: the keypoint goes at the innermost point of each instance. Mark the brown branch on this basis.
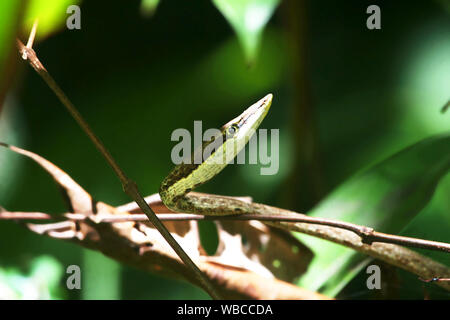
(124, 243)
(368, 235)
(435, 279)
(129, 186)
(406, 259)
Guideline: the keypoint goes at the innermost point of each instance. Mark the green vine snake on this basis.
(175, 190)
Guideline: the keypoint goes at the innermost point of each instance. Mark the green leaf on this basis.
(50, 13)
(248, 19)
(148, 7)
(386, 197)
(9, 13)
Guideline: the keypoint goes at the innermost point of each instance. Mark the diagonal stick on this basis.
(128, 185)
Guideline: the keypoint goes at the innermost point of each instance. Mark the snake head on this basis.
(245, 125)
(222, 148)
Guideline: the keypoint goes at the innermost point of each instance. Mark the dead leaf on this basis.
(240, 269)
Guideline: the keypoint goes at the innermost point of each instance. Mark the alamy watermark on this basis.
(223, 150)
(74, 280)
(374, 20)
(374, 280)
(74, 20)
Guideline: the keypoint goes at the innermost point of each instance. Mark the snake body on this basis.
(176, 189)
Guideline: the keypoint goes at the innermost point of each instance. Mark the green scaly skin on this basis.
(175, 190)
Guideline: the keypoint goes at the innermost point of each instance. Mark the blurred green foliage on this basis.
(136, 78)
(42, 282)
(387, 197)
(248, 19)
(8, 17)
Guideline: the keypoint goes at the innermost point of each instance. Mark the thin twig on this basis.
(32, 36)
(129, 186)
(435, 279)
(368, 235)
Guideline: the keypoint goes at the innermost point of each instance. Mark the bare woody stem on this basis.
(129, 186)
(436, 279)
(368, 235)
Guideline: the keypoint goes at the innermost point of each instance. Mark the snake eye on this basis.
(232, 130)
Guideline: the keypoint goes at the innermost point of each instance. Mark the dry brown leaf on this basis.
(279, 252)
(249, 245)
(139, 244)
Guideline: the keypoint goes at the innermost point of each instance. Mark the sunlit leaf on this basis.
(148, 7)
(51, 14)
(386, 197)
(248, 19)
